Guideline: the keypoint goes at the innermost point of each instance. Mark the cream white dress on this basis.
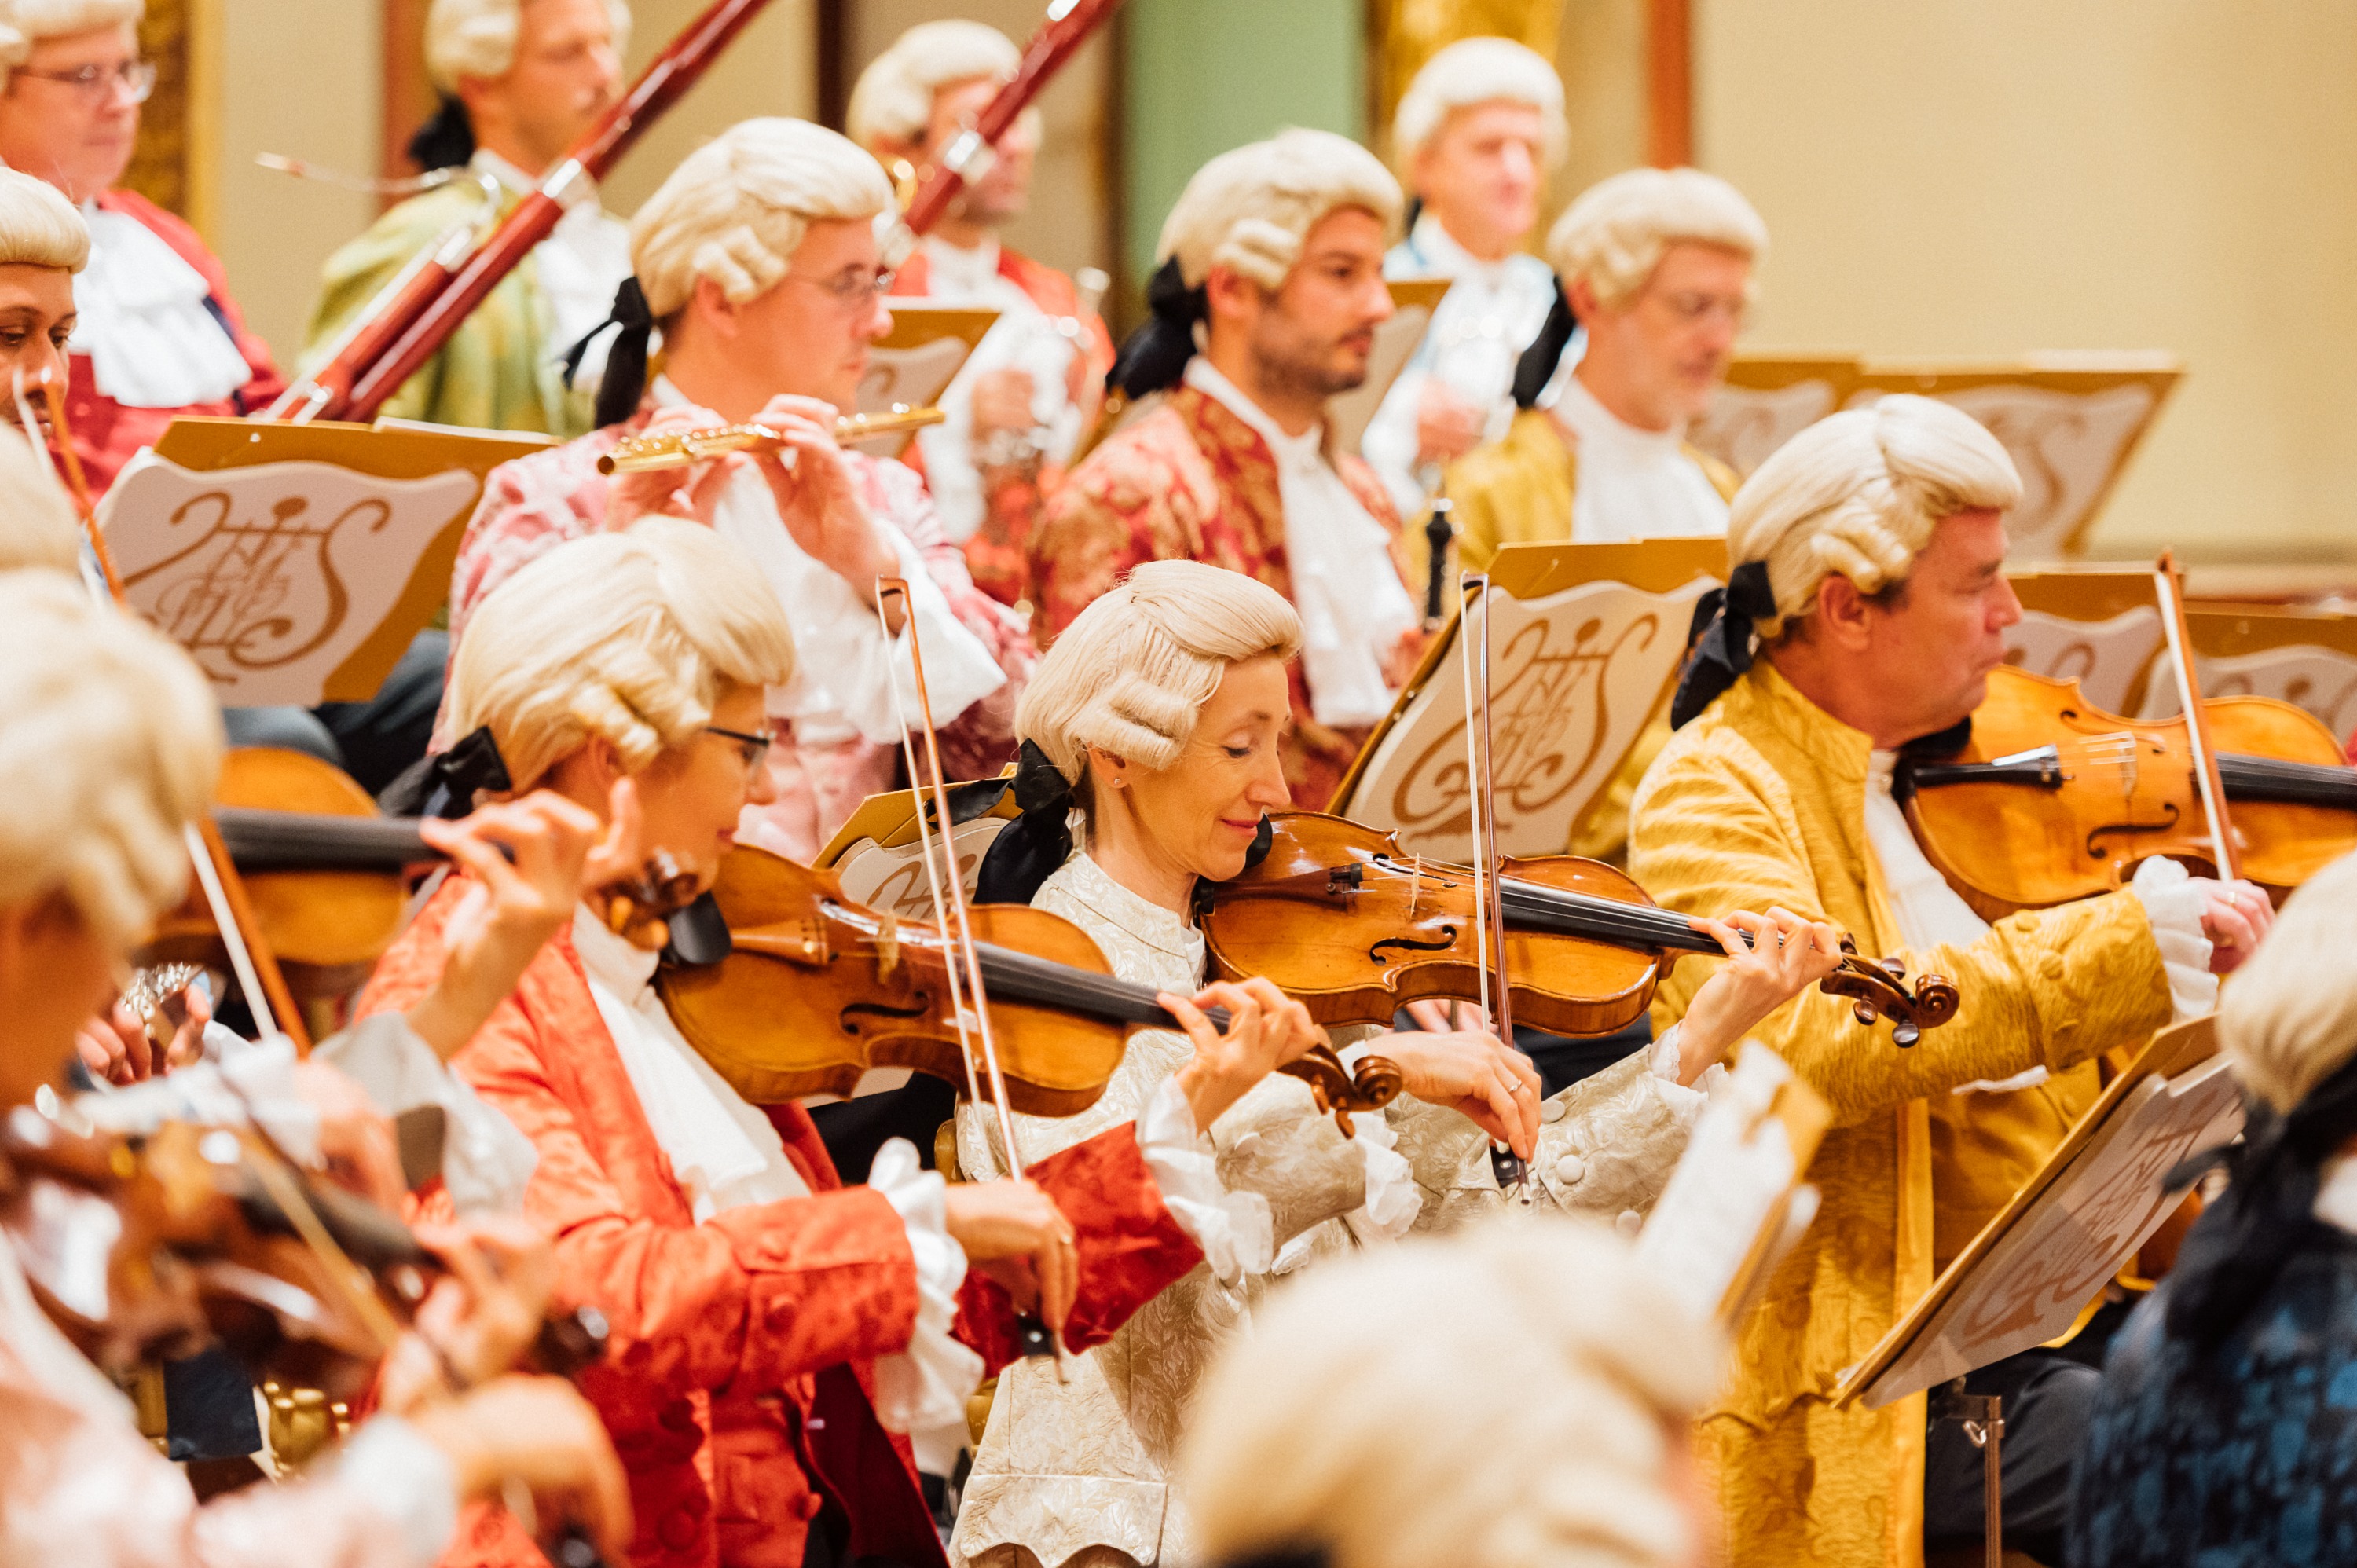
(1072, 1474)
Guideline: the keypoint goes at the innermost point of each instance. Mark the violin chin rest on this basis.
(699, 934)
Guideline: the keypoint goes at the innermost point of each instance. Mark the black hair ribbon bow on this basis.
(1030, 849)
(1154, 357)
(1718, 643)
(626, 362)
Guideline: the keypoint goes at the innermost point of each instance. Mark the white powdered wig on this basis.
(2287, 1018)
(24, 23)
(1858, 493)
(1614, 234)
(38, 227)
(1132, 673)
(623, 636)
(478, 38)
(1535, 1390)
(738, 207)
(1473, 72)
(893, 98)
(110, 744)
(37, 527)
(1251, 209)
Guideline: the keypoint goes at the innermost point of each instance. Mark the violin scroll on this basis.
(1877, 989)
(1377, 1082)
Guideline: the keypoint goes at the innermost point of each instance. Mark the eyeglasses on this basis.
(753, 750)
(98, 82)
(1692, 309)
(851, 290)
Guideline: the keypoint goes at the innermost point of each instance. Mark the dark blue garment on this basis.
(2242, 1457)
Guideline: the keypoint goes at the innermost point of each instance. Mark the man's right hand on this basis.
(541, 1434)
(1002, 401)
(693, 492)
(1447, 423)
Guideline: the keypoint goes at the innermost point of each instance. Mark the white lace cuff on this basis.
(1685, 1100)
(2174, 907)
(1393, 1200)
(1235, 1229)
(927, 1384)
(391, 1470)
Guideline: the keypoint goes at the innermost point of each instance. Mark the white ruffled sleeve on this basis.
(2174, 907)
(405, 1480)
(1235, 1229)
(1685, 1101)
(927, 1384)
(1393, 1200)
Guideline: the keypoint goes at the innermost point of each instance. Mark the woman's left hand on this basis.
(1475, 1073)
(1784, 957)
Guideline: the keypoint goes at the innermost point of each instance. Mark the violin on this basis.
(817, 989)
(2050, 799)
(1339, 918)
(329, 876)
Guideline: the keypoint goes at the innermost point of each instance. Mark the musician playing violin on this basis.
(1159, 714)
(109, 744)
(1868, 559)
(772, 1331)
(759, 259)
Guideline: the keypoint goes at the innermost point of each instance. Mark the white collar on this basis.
(1604, 432)
(960, 269)
(1442, 257)
(1289, 450)
(1090, 884)
(2336, 1193)
(614, 961)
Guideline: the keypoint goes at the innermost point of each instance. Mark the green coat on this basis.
(498, 370)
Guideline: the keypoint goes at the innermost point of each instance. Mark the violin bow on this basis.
(2169, 581)
(938, 853)
(1482, 796)
(249, 958)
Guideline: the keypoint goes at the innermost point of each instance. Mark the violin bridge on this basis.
(887, 946)
(1415, 886)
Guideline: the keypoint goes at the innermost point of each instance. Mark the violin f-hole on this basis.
(1410, 945)
(854, 1019)
(2095, 847)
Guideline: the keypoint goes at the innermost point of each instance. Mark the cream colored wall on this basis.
(304, 77)
(1981, 178)
(301, 77)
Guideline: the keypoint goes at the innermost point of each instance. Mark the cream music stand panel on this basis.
(1413, 300)
(1587, 642)
(2099, 627)
(1768, 400)
(913, 362)
(878, 853)
(295, 563)
(2306, 658)
(2071, 423)
(2028, 1275)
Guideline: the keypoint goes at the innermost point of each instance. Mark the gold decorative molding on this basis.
(177, 163)
(1406, 33)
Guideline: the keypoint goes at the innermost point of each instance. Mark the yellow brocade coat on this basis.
(1760, 800)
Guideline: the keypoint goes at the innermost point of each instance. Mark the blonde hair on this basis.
(24, 23)
(1470, 73)
(737, 209)
(1858, 493)
(625, 638)
(1535, 1385)
(1614, 233)
(38, 227)
(109, 745)
(1132, 673)
(37, 528)
(2287, 1018)
(1252, 208)
(478, 38)
(894, 99)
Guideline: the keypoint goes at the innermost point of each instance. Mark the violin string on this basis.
(1475, 803)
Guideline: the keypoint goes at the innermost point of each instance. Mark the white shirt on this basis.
(1633, 484)
(582, 263)
(1473, 344)
(153, 341)
(844, 666)
(728, 1155)
(1352, 606)
(1024, 338)
(1931, 913)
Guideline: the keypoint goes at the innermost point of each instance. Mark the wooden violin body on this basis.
(2054, 799)
(1339, 918)
(818, 990)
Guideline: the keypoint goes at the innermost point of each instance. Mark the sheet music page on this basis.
(1728, 1190)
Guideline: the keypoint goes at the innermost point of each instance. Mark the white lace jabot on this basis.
(1352, 606)
(146, 322)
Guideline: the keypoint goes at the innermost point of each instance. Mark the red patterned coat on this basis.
(1190, 481)
(737, 1383)
(534, 504)
(107, 434)
(998, 553)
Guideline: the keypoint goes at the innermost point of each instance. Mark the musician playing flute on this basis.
(1018, 407)
(759, 259)
(1869, 556)
(157, 334)
(1274, 254)
(521, 82)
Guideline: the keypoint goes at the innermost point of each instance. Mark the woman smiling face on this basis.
(1197, 817)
